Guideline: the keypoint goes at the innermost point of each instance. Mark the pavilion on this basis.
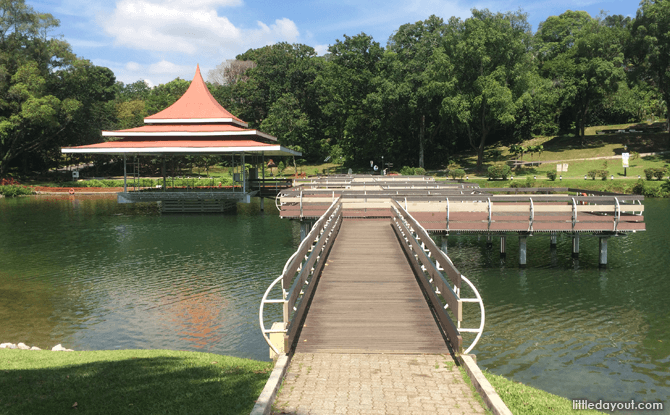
(196, 124)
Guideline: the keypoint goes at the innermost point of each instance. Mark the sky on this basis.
(160, 40)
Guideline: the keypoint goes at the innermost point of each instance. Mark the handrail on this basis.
(417, 243)
(317, 243)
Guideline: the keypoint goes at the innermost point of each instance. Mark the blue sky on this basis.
(160, 40)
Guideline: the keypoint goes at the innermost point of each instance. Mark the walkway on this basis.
(370, 344)
(366, 384)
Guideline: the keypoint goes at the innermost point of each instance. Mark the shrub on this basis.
(457, 173)
(419, 171)
(15, 190)
(603, 174)
(407, 171)
(551, 175)
(659, 173)
(529, 182)
(592, 174)
(649, 173)
(499, 171)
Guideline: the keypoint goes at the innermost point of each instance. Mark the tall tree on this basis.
(412, 46)
(650, 46)
(29, 113)
(583, 56)
(484, 67)
(349, 79)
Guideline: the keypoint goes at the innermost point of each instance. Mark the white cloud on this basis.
(193, 27)
(321, 49)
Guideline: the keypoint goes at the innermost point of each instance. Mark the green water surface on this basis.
(92, 274)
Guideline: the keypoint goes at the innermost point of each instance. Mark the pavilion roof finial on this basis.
(197, 105)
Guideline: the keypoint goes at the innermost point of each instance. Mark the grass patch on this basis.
(523, 399)
(476, 394)
(129, 382)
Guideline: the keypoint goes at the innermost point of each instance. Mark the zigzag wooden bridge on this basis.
(368, 278)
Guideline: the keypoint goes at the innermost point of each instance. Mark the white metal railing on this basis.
(434, 265)
(305, 262)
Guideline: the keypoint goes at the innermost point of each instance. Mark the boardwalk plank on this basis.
(368, 299)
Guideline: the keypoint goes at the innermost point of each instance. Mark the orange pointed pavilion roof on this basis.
(197, 105)
(195, 124)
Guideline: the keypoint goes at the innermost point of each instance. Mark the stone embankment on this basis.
(22, 346)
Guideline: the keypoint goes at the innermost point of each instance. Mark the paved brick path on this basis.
(324, 383)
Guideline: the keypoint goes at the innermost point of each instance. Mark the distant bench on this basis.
(631, 130)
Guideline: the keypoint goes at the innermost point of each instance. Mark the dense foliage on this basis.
(437, 88)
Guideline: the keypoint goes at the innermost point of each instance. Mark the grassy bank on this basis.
(128, 382)
(526, 400)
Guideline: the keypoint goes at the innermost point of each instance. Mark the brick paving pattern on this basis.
(325, 383)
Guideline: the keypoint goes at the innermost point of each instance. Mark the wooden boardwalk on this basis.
(368, 299)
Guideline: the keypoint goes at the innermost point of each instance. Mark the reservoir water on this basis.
(92, 274)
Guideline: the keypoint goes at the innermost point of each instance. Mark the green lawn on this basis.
(525, 400)
(128, 382)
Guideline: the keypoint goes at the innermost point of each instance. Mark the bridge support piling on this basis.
(262, 203)
(553, 241)
(522, 250)
(305, 227)
(575, 245)
(502, 245)
(603, 252)
(443, 245)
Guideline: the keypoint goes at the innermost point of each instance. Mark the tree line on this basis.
(435, 89)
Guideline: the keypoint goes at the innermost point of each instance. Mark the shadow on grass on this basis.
(154, 385)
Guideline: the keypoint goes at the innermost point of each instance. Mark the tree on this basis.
(230, 72)
(349, 79)
(484, 68)
(29, 112)
(584, 59)
(287, 73)
(649, 50)
(412, 46)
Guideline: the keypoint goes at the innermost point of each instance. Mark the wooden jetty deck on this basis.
(368, 299)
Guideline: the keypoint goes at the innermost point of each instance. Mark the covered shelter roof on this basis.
(195, 124)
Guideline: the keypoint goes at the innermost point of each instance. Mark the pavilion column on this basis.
(263, 164)
(503, 251)
(164, 178)
(575, 245)
(125, 184)
(244, 174)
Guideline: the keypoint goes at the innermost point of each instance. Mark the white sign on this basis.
(624, 158)
(75, 174)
